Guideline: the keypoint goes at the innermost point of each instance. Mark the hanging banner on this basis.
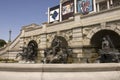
(54, 13)
(67, 9)
(84, 6)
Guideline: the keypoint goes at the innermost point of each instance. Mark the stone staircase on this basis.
(9, 47)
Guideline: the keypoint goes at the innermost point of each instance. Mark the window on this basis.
(116, 3)
(103, 5)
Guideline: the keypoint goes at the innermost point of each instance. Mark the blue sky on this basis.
(17, 13)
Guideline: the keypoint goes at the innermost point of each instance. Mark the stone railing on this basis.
(60, 71)
(116, 4)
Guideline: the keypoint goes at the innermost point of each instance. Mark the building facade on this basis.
(82, 31)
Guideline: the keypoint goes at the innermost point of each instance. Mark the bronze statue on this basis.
(108, 53)
(105, 43)
(56, 54)
(57, 45)
(27, 54)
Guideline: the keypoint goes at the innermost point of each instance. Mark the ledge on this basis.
(64, 21)
(15, 67)
(60, 71)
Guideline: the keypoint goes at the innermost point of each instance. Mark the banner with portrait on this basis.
(67, 9)
(84, 6)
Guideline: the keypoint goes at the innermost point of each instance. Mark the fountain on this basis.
(57, 53)
(108, 53)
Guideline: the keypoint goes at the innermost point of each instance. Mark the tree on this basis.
(2, 43)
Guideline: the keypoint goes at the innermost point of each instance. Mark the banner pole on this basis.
(94, 3)
(48, 15)
(60, 11)
(75, 6)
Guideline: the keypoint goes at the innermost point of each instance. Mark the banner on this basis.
(84, 6)
(67, 9)
(54, 14)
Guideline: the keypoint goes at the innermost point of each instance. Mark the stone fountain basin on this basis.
(98, 71)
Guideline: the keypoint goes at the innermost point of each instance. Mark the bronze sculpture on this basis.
(108, 53)
(57, 53)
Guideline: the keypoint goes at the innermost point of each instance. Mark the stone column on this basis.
(77, 44)
(43, 44)
(43, 41)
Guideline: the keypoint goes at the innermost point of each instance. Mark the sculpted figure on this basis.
(57, 45)
(105, 44)
(57, 53)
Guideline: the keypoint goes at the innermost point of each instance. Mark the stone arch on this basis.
(64, 43)
(97, 38)
(34, 46)
(113, 28)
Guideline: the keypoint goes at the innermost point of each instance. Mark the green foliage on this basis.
(2, 43)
